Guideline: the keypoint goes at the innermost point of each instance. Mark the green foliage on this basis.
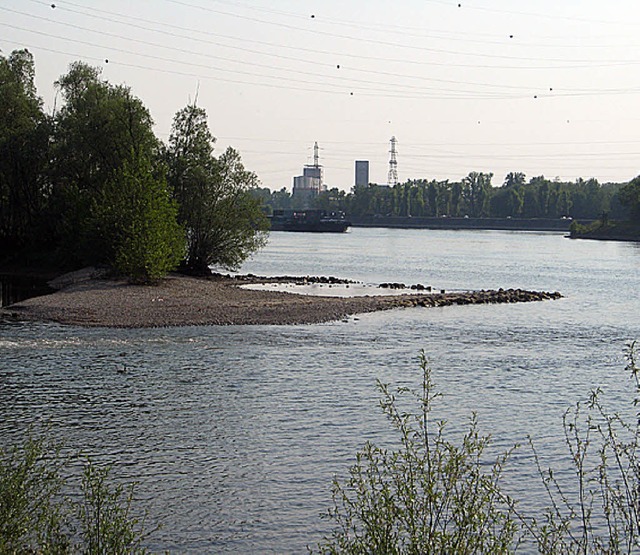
(24, 144)
(36, 518)
(135, 219)
(30, 516)
(224, 220)
(577, 229)
(102, 133)
(432, 496)
(273, 200)
(600, 511)
(428, 496)
(99, 128)
(630, 197)
(473, 196)
(106, 521)
(477, 190)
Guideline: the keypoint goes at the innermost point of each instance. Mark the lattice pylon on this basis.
(392, 178)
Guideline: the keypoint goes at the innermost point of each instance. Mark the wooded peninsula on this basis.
(91, 185)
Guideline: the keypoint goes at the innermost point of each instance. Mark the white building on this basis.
(308, 185)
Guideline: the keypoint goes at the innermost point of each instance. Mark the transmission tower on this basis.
(316, 156)
(392, 178)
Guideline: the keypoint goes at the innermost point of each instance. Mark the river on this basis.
(234, 433)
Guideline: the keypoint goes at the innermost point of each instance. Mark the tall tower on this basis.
(316, 156)
(315, 170)
(392, 178)
(362, 173)
(308, 185)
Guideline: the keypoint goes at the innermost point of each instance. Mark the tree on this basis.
(456, 198)
(331, 200)
(223, 219)
(629, 196)
(514, 179)
(476, 190)
(137, 216)
(24, 145)
(100, 130)
(99, 127)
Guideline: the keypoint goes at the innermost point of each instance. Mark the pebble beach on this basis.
(88, 299)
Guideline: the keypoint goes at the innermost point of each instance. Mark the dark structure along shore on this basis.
(617, 231)
(185, 301)
(444, 222)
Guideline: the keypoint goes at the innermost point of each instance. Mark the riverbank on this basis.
(188, 301)
(445, 222)
(617, 231)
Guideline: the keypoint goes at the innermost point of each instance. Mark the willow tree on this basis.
(24, 151)
(111, 196)
(223, 220)
(139, 218)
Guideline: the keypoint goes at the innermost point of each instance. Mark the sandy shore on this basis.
(182, 301)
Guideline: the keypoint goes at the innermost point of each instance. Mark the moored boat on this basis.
(321, 221)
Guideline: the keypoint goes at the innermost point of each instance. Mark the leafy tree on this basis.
(330, 200)
(138, 217)
(100, 129)
(456, 198)
(565, 204)
(588, 199)
(223, 219)
(476, 191)
(629, 196)
(24, 145)
(514, 179)
(281, 199)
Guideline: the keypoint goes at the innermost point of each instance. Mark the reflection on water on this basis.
(18, 288)
(333, 290)
(235, 433)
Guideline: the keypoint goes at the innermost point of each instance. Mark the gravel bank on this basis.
(188, 301)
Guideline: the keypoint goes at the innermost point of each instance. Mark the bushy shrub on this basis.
(598, 511)
(35, 516)
(431, 495)
(428, 496)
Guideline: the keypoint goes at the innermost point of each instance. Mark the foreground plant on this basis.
(432, 496)
(598, 510)
(30, 515)
(36, 518)
(429, 495)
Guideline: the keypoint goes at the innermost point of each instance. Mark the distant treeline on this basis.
(476, 196)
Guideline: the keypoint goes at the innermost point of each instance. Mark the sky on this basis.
(549, 88)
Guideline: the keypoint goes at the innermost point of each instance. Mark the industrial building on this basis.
(308, 185)
(362, 173)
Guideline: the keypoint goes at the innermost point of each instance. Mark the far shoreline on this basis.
(87, 298)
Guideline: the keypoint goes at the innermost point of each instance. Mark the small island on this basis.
(604, 230)
(87, 298)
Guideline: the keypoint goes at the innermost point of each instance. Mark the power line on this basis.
(337, 55)
(256, 64)
(373, 41)
(419, 32)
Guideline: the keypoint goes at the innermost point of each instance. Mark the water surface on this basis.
(234, 433)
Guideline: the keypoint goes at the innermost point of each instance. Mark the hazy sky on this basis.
(546, 88)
